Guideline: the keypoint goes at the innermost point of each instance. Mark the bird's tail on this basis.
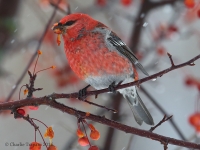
(138, 108)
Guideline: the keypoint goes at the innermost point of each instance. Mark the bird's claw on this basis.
(82, 94)
(112, 87)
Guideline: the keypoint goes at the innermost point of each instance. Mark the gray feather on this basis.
(137, 117)
(138, 108)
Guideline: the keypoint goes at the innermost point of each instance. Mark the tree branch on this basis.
(48, 100)
(171, 60)
(165, 118)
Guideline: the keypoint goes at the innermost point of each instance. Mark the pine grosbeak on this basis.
(99, 57)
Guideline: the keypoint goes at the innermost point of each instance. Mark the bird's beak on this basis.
(58, 29)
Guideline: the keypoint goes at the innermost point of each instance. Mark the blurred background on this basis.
(151, 29)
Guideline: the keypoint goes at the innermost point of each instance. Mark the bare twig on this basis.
(165, 144)
(31, 87)
(104, 107)
(171, 60)
(165, 118)
(163, 112)
(34, 55)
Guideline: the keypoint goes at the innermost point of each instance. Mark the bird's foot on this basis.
(82, 94)
(112, 87)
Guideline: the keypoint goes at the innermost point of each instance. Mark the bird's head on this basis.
(72, 24)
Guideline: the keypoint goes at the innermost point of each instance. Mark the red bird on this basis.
(99, 57)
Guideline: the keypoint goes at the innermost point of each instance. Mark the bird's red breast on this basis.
(87, 49)
(88, 55)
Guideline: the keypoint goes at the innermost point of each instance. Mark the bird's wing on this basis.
(125, 50)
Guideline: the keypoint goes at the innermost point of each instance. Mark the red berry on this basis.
(93, 148)
(126, 2)
(21, 112)
(197, 128)
(52, 147)
(49, 133)
(91, 127)
(161, 51)
(189, 3)
(95, 135)
(198, 13)
(195, 119)
(198, 86)
(83, 141)
(189, 81)
(173, 28)
(35, 146)
(101, 2)
(79, 133)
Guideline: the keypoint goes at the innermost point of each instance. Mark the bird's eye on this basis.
(59, 24)
(69, 23)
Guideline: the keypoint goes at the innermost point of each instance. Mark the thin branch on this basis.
(48, 100)
(104, 107)
(165, 144)
(34, 55)
(171, 60)
(42, 137)
(165, 118)
(163, 112)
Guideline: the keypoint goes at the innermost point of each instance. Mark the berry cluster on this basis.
(83, 138)
(49, 133)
